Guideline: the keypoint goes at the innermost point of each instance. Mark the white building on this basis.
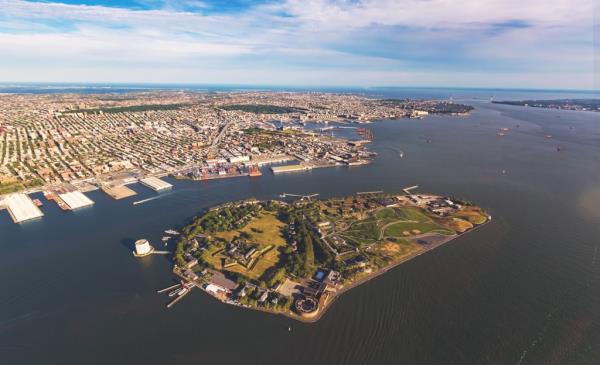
(143, 248)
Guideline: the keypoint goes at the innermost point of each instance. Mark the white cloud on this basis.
(540, 43)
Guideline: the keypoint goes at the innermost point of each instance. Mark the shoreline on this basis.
(290, 314)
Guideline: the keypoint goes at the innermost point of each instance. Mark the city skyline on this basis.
(305, 43)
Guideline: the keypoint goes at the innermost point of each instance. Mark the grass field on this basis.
(395, 222)
(265, 230)
(396, 250)
(472, 214)
(398, 229)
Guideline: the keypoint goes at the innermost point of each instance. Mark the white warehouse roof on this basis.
(155, 183)
(76, 200)
(21, 207)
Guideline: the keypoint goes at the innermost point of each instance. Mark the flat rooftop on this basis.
(21, 207)
(155, 183)
(76, 200)
(289, 168)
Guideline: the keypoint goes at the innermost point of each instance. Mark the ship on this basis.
(253, 170)
(171, 231)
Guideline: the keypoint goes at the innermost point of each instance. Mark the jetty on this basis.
(285, 195)
(178, 291)
(408, 189)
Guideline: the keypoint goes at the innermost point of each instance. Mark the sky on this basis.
(460, 43)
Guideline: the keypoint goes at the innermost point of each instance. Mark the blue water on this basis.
(524, 289)
(383, 92)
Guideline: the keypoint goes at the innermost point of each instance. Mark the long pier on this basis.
(284, 195)
(369, 192)
(408, 189)
(168, 288)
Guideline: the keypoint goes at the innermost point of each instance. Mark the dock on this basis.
(21, 208)
(55, 198)
(289, 168)
(118, 192)
(408, 189)
(76, 200)
(155, 183)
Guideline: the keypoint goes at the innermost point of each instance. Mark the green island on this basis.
(294, 258)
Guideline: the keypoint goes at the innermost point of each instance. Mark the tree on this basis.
(309, 259)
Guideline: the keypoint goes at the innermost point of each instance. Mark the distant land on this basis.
(566, 104)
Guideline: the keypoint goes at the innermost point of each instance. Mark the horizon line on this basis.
(185, 84)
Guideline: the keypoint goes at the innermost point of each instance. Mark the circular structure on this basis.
(143, 248)
(307, 306)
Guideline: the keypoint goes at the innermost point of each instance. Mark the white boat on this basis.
(171, 231)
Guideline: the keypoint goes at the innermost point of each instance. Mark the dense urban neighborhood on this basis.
(102, 140)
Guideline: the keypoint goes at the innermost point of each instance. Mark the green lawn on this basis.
(398, 229)
(266, 230)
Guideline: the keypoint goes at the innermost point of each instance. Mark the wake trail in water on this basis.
(152, 198)
(539, 337)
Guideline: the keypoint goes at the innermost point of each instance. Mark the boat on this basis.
(175, 292)
(171, 231)
(165, 238)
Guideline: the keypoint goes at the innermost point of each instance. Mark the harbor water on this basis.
(524, 289)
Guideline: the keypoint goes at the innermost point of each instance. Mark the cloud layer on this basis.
(505, 43)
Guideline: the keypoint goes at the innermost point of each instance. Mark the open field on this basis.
(400, 229)
(397, 250)
(394, 223)
(472, 214)
(266, 230)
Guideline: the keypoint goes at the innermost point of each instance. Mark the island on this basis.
(295, 258)
(565, 104)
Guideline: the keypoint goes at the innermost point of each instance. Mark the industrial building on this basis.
(76, 200)
(21, 208)
(155, 183)
(289, 168)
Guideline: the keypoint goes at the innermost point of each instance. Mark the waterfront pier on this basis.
(76, 200)
(21, 208)
(155, 183)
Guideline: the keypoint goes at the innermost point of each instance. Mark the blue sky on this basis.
(480, 43)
